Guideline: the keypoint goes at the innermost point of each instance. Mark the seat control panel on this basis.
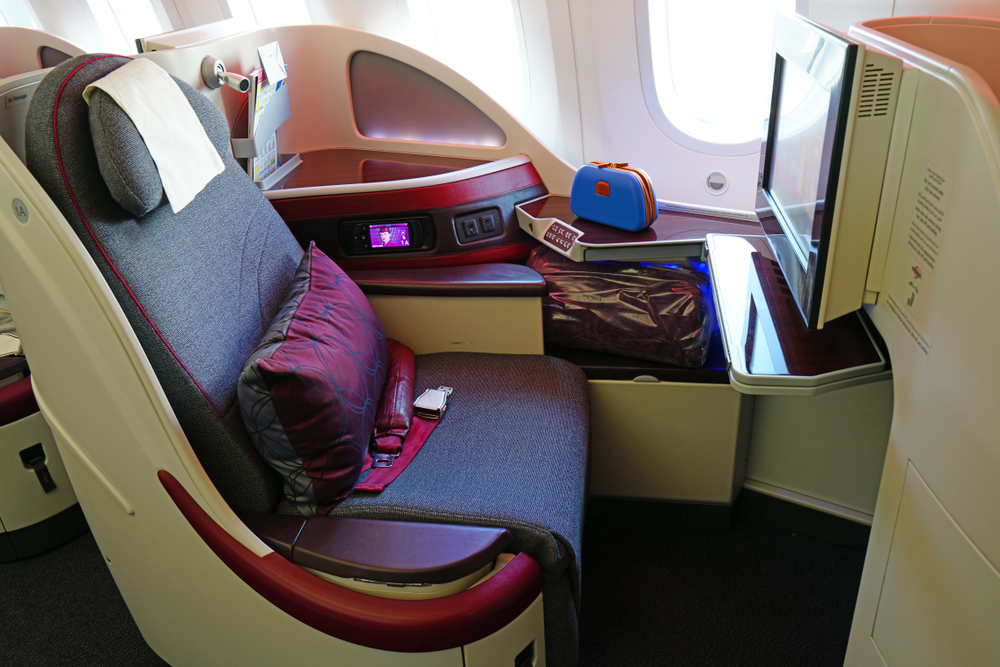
(478, 225)
(561, 235)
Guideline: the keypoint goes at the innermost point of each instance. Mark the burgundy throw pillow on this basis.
(310, 391)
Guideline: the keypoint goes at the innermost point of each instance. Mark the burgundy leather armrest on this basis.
(17, 401)
(396, 551)
(388, 625)
(473, 280)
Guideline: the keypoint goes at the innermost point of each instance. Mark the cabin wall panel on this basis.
(840, 14)
(193, 13)
(617, 125)
(983, 8)
(70, 19)
(941, 598)
(830, 446)
(382, 17)
(668, 441)
(944, 356)
(554, 99)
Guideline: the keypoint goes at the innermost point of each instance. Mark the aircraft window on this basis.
(121, 21)
(16, 13)
(710, 68)
(271, 13)
(481, 40)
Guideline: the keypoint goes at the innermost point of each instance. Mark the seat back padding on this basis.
(198, 287)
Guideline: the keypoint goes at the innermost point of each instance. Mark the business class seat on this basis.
(198, 288)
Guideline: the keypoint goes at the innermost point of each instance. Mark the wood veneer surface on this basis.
(841, 344)
(340, 166)
(669, 226)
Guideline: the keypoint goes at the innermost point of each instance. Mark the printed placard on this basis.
(924, 239)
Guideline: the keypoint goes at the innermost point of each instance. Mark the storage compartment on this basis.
(668, 441)
(657, 312)
(662, 432)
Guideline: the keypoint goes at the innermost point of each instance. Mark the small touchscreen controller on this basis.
(396, 235)
(560, 236)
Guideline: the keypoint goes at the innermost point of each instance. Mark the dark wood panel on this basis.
(340, 166)
(842, 343)
(746, 267)
(669, 226)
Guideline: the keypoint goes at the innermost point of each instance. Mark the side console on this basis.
(370, 210)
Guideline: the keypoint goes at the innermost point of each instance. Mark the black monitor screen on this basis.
(803, 152)
(798, 163)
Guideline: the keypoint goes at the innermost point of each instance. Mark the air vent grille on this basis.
(876, 90)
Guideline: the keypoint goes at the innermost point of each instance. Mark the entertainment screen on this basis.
(823, 162)
(393, 235)
(797, 162)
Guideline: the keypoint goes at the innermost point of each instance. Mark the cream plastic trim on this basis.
(384, 589)
(45, 213)
(581, 251)
(502, 647)
(807, 501)
(23, 501)
(730, 213)
(830, 447)
(890, 183)
(429, 324)
(642, 436)
(393, 591)
(64, 440)
(793, 390)
(408, 184)
(787, 385)
(945, 422)
(322, 113)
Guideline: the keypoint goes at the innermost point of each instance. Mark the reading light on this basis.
(214, 74)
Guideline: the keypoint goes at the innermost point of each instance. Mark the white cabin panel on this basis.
(941, 598)
(939, 317)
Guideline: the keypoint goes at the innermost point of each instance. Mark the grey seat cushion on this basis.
(511, 451)
(126, 165)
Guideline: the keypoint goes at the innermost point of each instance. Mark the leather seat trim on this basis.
(411, 626)
(477, 280)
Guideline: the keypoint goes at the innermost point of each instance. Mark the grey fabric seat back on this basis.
(198, 287)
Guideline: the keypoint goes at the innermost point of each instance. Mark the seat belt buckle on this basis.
(432, 403)
(380, 460)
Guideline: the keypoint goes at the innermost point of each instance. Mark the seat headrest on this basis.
(124, 161)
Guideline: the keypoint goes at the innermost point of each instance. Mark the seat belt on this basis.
(383, 476)
(399, 434)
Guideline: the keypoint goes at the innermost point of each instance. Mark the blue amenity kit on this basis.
(614, 194)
